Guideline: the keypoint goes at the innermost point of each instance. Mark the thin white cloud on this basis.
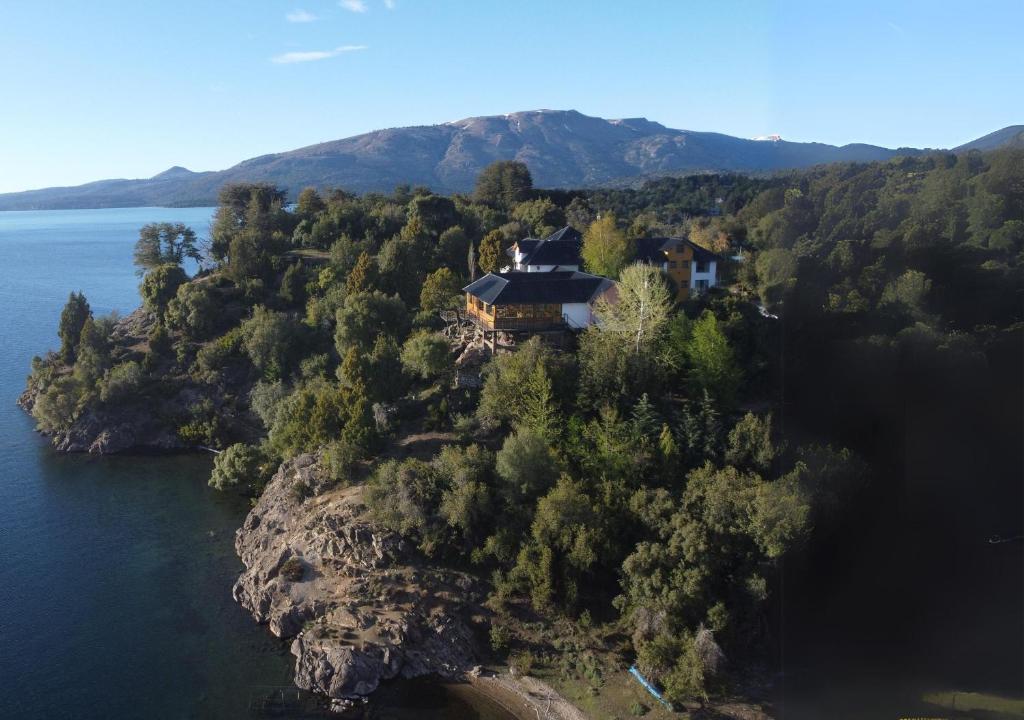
(389, 4)
(356, 6)
(896, 28)
(300, 16)
(311, 55)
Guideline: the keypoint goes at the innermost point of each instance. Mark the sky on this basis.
(123, 88)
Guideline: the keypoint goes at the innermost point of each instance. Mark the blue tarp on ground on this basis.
(650, 688)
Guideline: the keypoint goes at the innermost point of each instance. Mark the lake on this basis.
(116, 573)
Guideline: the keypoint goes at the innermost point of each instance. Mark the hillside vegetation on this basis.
(629, 499)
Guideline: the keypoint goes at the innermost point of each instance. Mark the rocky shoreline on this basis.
(357, 605)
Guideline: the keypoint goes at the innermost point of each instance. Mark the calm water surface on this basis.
(115, 573)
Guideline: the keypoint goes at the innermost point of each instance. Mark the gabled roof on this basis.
(559, 248)
(568, 233)
(650, 250)
(560, 286)
(526, 246)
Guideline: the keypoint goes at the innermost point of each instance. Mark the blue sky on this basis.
(124, 88)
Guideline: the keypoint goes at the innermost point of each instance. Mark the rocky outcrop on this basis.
(358, 602)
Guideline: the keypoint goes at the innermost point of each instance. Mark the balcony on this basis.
(486, 321)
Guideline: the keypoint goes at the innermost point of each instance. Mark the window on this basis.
(680, 248)
(684, 264)
(700, 285)
(672, 264)
(702, 267)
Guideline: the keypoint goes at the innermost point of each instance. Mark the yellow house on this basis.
(691, 268)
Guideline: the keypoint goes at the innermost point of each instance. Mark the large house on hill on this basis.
(534, 302)
(544, 291)
(691, 268)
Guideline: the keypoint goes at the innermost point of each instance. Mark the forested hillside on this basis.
(629, 499)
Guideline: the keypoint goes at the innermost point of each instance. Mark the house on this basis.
(558, 251)
(534, 302)
(691, 268)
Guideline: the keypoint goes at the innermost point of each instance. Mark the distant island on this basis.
(562, 148)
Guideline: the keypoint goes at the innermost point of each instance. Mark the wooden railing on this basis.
(488, 322)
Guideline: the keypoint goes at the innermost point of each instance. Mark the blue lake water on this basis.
(115, 573)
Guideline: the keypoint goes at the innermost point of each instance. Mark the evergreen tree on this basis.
(72, 318)
(491, 251)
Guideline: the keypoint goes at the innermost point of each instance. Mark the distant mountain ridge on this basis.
(563, 148)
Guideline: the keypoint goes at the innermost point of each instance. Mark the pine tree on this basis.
(490, 251)
(644, 419)
(72, 319)
(540, 412)
(360, 279)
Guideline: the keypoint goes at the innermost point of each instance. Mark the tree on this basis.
(426, 355)
(192, 310)
(309, 203)
(159, 286)
(564, 537)
(93, 353)
(76, 311)
(440, 291)
(541, 216)
(240, 465)
(606, 251)
(503, 184)
(526, 467)
(293, 285)
(509, 380)
(434, 213)
(267, 338)
(491, 248)
(466, 503)
(640, 310)
(164, 244)
(712, 364)
(366, 315)
(253, 209)
(363, 275)
(452, 247)
(776, 276)
(750, 444)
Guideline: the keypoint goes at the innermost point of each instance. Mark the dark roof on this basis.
(651, 249)
(558, 248)
(527, 245)
(568, 233)
(559, 286)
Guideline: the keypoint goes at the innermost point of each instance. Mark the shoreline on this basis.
(524, 697)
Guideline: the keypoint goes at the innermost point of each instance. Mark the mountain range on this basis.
(562, 148)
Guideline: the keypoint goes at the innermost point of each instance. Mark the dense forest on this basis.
(649, 479)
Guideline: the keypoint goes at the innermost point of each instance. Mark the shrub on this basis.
(193, 311)
(426, 355)
(121, 381)
(241, 466)
(292, 569)
(160, 285)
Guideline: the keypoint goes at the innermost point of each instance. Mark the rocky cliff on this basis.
(359, 604)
